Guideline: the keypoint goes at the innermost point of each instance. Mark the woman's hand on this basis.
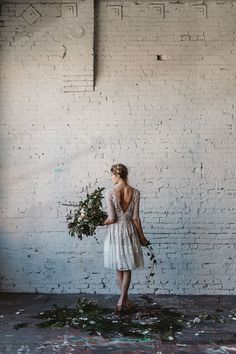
(143, 241)
(109, 222)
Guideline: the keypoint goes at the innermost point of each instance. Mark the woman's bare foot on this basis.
(120, 307)
(129, 304)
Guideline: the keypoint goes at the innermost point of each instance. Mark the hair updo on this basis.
(120, 170)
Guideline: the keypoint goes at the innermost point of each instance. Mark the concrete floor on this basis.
(203, 338)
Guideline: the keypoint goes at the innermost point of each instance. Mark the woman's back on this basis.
(129, 208)
(124, 196)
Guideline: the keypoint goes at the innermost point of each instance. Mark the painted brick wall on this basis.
(163, 103)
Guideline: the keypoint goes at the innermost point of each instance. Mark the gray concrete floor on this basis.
(202, 338)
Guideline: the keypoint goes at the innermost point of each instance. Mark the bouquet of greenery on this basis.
(87, 215)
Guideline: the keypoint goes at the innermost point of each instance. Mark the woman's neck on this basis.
(121, 184)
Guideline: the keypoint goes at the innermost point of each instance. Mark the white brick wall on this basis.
(171, 121)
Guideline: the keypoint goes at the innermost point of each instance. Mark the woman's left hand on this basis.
(144, 241)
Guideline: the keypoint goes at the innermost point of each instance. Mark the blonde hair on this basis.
(120, 170)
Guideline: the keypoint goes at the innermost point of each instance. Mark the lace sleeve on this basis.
(136, 205)
(110, 206)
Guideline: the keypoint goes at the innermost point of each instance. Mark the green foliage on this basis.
(20, 325)
(146, 323)
(152, 258)
(87, 215)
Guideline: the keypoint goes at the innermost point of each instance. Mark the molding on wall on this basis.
(32, 10)
(158, 10)
(25, 22)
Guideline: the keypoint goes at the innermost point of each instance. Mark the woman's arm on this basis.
(109, 221)
(138, 225)
(137, 221)
(112, 217)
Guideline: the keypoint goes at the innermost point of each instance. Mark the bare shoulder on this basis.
(133, 189)
(136, 192)
(130, 189)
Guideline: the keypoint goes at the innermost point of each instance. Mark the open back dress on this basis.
(122, 248)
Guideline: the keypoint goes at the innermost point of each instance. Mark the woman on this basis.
(122, 246)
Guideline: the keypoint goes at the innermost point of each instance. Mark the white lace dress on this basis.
(122, 248)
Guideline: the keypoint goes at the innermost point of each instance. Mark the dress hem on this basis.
(115, 268)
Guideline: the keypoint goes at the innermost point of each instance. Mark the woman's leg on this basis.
(119, 277)
(120, 274)
(124, 287)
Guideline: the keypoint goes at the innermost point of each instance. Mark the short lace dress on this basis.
(122, 248)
